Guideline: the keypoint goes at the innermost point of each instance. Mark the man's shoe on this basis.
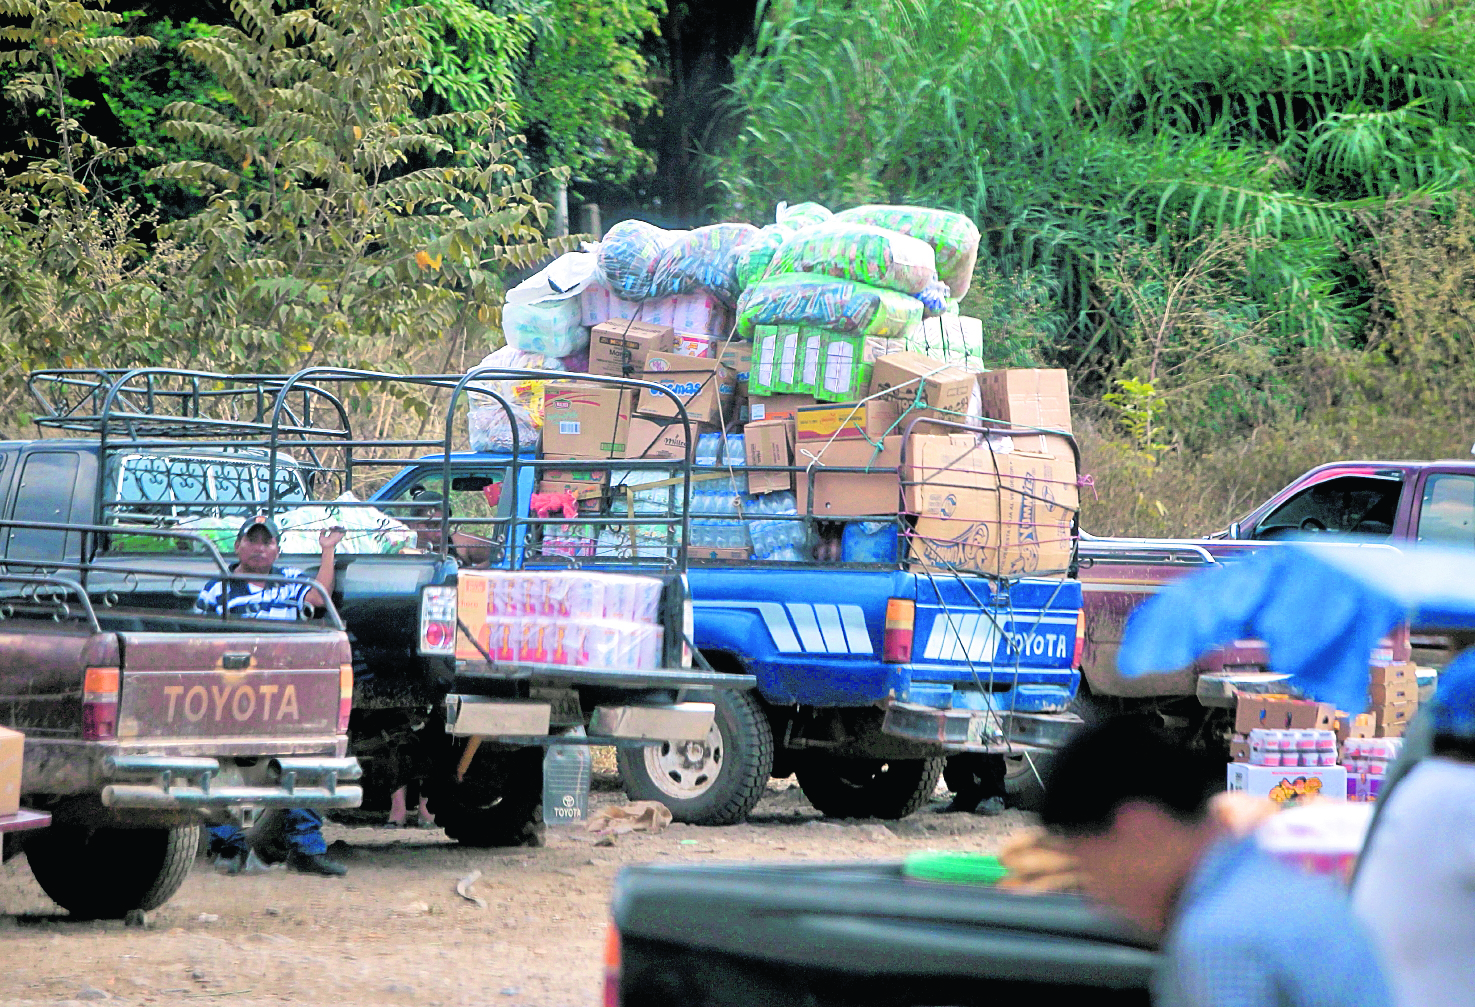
(991, 807)
(315, 863)
(230, 863)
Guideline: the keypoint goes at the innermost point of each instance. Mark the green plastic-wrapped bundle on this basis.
(827, 303)
(753, 259)
(859, 252)
(801, 215)
(953, 237)
(954, 868)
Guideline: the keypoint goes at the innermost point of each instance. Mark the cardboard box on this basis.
(1394, 730)
(1286, 784)
(846, 363)
(902, 380)
(1239, 749)
(700, 313)
(1394, 715)
(797, 359)
(706, 552)
(771, 407)
(661, 438)
(763, 375)
(692, 345)
(986, 508)
(839, 421)
(955, 338)
(705, 386)
(1382, 693)
(585, 420)
(1364, 725)
(12, 762)
(584, 484)
(618, 349)
(738, 355)
(1038, 397)
(769, 442)
(849, 494)
(472, 597)
(1280, 713)
(1395, 673)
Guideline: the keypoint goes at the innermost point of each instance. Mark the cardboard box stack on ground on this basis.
(12, 759)
(1393, 694)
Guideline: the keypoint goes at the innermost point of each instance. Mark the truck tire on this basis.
(715, 782)
(868, 788)
(499, 803)
(1022, 776)
(103, 873)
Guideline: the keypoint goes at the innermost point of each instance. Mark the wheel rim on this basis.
(685, 769)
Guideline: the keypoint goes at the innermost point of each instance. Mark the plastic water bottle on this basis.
(566, 773)
(709, 449)
(736, 453)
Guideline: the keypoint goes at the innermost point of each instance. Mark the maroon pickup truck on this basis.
(1391, 502)
(143, 725)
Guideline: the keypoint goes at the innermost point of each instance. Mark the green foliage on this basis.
(1063, 127)
(473, 55)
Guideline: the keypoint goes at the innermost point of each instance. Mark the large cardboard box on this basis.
(12, 760)
(1028, 398)
(838, 421)
(585, 420)
(943, 391)
(1394, 673)
(705, 386)
(583, 484)
(650, 437)
(769, 442)
(849, 494)
(1281, 713)
(1287, 784)
(987, 508)
(618, 348)
(1394, 715)
(772, 407)
(1384, 693)
(472, 595)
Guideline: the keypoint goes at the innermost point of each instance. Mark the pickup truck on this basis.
(869, 676)
(858, 935)
(1386, 502)
(140, 725)
(160, 448)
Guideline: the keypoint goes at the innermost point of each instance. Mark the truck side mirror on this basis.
(1234, 530)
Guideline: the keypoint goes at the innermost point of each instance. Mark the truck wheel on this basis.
(712, 782)
(1022, 776)
(499, 803)
(868, 788)
(102, 873)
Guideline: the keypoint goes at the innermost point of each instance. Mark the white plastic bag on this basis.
(542, 314)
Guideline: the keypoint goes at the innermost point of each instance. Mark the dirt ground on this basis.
(394, 931)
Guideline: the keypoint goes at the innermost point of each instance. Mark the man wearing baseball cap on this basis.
(257, 547)
(1415, 886)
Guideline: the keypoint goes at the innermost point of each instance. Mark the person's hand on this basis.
(329, 538)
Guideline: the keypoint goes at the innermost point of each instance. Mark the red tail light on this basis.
(345, 696)
(612, 967)
(100, 704)
(901, 622)
(1080, 651)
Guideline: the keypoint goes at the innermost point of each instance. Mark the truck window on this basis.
(1447, 512)
(174, 486)
(47, 487)
(1350, 505)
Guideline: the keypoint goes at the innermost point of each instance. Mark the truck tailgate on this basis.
(231, 685)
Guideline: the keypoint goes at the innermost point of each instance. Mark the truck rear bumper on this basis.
(168, 783)
(986, 731)
(528, 721)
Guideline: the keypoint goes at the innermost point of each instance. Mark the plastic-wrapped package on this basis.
(487, 422)
(827, 303)
(801, 214)
(544, 313)
(368, 529)
(753, 258)
(860, 252)
(953, 237)
(641, 261)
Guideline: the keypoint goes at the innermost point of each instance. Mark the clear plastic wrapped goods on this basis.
(368, 530)
(544, 313)
(953, 237)
(488, 424)
(641, 261)
(827, 303)
(871, 255)
(753, 258)
(801, 215)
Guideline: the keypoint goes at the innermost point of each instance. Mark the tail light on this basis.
(901, 622)
(345, 696)
(438, 621)
(100, 704)
(612, 967)
(1080, 650)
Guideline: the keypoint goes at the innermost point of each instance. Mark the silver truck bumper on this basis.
(162, 782)
(527, 721)
(982, 731)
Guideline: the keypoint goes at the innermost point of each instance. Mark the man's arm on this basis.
(329, 540)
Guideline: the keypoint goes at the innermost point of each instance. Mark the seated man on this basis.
(431, 507)
(256, 553)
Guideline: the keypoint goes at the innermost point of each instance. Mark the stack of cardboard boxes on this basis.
(1284, 784)
(1393, 695)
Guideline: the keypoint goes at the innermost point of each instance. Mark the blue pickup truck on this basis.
(870, 677)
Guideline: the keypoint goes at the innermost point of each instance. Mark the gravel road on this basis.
(394, 931)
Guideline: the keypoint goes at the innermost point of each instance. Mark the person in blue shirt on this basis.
(1237, 928)
(257, 548)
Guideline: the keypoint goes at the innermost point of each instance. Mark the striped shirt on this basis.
(245, 600)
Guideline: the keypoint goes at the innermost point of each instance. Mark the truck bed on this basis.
(855, 935)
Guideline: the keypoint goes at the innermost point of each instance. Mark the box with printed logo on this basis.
(585, 420)
(705, 386)
(618, 349)
(1287, 785)
(652, 437)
